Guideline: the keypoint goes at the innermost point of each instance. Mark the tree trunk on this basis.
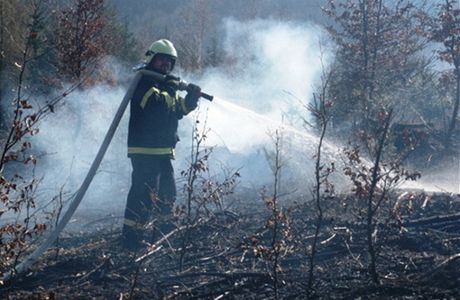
(453, 120)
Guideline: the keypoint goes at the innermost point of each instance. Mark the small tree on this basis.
(446, 30)
(17, 179)
(378, 42)
(201, 192)
(275, 245)
(278, 218)
(80, 37)
(323, 188)
(17, 188)
(372, 181)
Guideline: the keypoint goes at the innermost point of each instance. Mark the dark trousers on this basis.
(152, 194)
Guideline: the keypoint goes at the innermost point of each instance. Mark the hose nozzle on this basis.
(183, 86)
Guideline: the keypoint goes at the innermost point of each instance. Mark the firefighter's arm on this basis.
(187, 104)
(157, 96)
(162, 96)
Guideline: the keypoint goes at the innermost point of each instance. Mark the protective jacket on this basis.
(156, 109)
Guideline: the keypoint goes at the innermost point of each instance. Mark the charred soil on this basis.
(417, 236)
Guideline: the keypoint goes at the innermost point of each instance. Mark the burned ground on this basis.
(417, 236)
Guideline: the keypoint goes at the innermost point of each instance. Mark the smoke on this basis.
(268, 76)
(270, 68)
(273, 68)
(68, 143)
(265, 85)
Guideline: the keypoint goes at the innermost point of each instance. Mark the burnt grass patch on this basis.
(417, 237)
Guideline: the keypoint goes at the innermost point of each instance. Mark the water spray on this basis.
(231, 106)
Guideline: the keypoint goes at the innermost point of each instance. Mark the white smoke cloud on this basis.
(268, 63)
(270, 75)
(70, 140)
(271, 62)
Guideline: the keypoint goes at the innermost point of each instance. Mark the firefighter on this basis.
(155, 109)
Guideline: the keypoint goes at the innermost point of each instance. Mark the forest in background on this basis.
(392, 92)
(398, 53)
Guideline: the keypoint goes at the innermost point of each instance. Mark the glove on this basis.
(171, 84)
(193, 91)
(193, 94)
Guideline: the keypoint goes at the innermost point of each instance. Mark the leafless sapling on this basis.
(323, 189)
(278, 225)
(201, 192)
(372, 181)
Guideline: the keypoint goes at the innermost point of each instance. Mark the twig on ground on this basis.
(441, 265)
(153, 247)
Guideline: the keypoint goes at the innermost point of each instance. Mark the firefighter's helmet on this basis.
(162, 46)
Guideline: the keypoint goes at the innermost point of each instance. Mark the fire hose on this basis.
(32, 258)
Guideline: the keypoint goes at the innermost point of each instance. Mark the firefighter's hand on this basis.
(193, 91)
(172, 83)
(193, 94)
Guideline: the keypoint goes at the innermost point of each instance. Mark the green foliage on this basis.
(124, 47)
